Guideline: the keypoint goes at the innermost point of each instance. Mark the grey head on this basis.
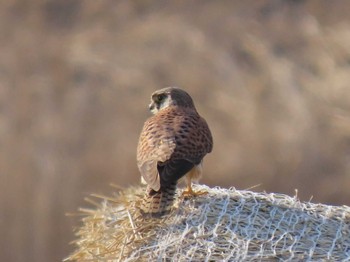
(170, 96)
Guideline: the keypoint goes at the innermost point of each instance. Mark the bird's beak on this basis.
(151, 106)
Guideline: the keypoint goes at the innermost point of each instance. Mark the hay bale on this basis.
(224, 225)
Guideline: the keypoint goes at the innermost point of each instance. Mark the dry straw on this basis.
(224, 225)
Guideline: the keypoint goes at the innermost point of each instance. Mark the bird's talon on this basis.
(190, 193)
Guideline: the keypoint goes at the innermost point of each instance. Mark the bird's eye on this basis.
(160, 98)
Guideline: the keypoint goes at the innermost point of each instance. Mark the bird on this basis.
(172, 145)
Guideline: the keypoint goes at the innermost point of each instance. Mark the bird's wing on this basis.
(172, 170)
(208, 138)
(154, 146)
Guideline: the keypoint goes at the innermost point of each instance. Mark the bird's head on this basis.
(169, 96)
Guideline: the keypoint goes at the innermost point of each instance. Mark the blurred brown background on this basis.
(271, 78)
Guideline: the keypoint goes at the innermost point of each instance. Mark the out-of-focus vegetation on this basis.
(271, 78)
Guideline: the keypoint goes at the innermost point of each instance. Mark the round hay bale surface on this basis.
(223, 225)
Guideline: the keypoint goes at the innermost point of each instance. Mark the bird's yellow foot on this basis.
(190, 193)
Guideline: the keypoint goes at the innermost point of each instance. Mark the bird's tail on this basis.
(158, 203)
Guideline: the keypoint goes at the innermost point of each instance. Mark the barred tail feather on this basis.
(158, 203)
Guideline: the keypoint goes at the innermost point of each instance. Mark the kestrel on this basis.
(172, 144)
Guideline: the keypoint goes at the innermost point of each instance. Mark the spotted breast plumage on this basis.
(172, 145)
